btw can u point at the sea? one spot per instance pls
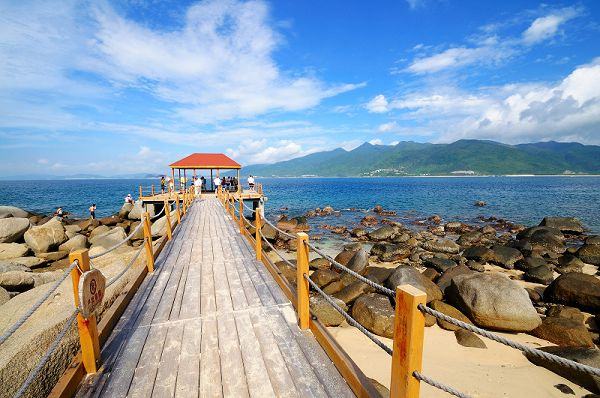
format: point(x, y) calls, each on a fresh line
point(524, 200)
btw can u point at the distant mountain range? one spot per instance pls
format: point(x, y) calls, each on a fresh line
point(77, 176)
point(463, 157)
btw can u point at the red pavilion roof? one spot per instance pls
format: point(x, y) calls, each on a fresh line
point(206, 161)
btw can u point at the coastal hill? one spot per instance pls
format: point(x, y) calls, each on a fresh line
point(471, 157)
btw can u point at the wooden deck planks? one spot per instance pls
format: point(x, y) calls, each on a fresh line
point(212, 322)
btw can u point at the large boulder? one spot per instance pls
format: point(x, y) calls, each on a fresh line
point(12, 211)
point(445, 279)
point(469, 238)
point(109, 239)
point(325, 312)
point(268, 232)
point(493, 301)
point(351, 292)
point(110, 220)
point(159, 227)
point(505, 256)
point(358, 263)
point(441, 246)
point(390, 251)
point(576, 290)
point(564, 224)
point(542, 274)
point(451, 311)
point(16, 281)
point(548, 239)
point(44, 238)
point(136, 211)
point(569, 263)
point(12, 229)
point(375, 312)
point(7, 265)
point(12, 250)
point(319, 263)
point(385, 232)
point(125, 209)
point(439, 264)
point(564, 332)
point(99, 230)
point(323, 277)
point(407, 275)
point(72, 230)
point(75, 243)
point(589, 254)
point(4, 295)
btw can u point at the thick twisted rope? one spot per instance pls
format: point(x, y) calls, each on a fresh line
point(34, 372)
point(37, 304)
point(279, 230)
point(521, 347)
point(156, 216)
point(288, 262)
point(440, 386)
point(376, 286)
point(348, 318)
point(247, 208)
point(121, 243)
point(116, 278)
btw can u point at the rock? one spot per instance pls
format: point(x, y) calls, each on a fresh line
point(563, 224)
point(480, 203)
point(407, 275)
point(12, 229)
point(353, 247)
point(401, 238)
point(288, 225)
point(323, 277)
point(468, 339)
point(375, 312)
point(593, 240)
point(431, 274)
point(390, 251)
point(566, 312)
point(369, 221)
point(12, 250)
point(564, 332)
point(72, 230)
point(542, 274)
point(583, 355)
point(358, 263)
point(136, 211)
point(44, 238)
point(504, 256)
point(530, 262)
point(75, 243)
point(325, 312)
point(546, 238)
point(4, 295)
point(445, 280)
point(534, 295)
point(441, 246)
point(110, 221)
point(439, 264)
point(469, 238)
point(53, 256)
point(385, 232)
point(268, 232)
point(493, 301)
point(569, 263)
point(16, 281)
point(30, 262)
point(12, 211)
point(478, 253)
point(475, 266)
point(565, 389)
point(378, 274)
point(449, 310)
point(159, 227)
point(99, 230)
point(108, 239)
point(589, 254)
point(140, 232)
point(358, 233)
point(7, 265)
point(383, 391)
point(333, 287)
point(352, 291)
point(125, 209)
point(576, 290)
point(41, 278)
point(319, 263)
point(288, 272)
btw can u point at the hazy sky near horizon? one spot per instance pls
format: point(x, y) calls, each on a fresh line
point(122, 87)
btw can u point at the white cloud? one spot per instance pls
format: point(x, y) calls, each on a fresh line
point(376, 141)
point(263, 151)
point(378, 104)
point(387, 127)
point(413, 4)
point(544, 28)
point(457, 57)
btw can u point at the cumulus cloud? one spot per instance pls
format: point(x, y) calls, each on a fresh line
point(376, 141)
point(264, 151)
point(378, 104)
point(544, 28)
point(388, 127)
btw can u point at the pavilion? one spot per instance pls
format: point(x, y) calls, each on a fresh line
point(204, 161)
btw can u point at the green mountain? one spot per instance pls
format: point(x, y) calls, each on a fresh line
point(478, 157)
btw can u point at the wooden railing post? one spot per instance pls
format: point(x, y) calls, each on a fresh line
point(241, 216)
point(88, 330)
point(257, 237)
point(148, 242)
point(232, 207)
point(168, 214)
point(302, 287)
point(226, 200)
point(409, 327)
point(177, 208)
point(152, 189)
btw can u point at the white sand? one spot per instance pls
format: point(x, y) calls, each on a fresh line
point(498, 371)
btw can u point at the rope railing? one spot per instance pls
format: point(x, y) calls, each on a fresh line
point(124, 270)
point(10, 331)
point(35, 371)
point(121, 243)
point(438, 385)
point(281, 256)
point(279, 230)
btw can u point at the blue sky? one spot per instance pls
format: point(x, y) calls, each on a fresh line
point(124, 87)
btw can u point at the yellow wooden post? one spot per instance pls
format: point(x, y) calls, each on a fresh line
point(302, 287)
point(177, 208)
point(409, 327)
point(88, 330)
point(226, 200)
point(152, 189)
point(148, 243)
point(241, 216)
point(168, 214)
point(257, 237)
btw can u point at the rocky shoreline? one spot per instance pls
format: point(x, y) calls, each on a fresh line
point(540, 280)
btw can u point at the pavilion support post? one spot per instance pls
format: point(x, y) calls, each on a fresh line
point(409, 327)
point(257, 237)
point(148, 243)
point(239, 187)
point(184, 180)
point(212, 181)
point(88, 329)
point(168, 214)
point(172, 179)
point(302, 287)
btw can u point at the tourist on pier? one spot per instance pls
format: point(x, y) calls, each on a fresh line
point(197, 186)
point(162, 184)
point(251, 182)
point(171, 184)
point(129, 199)
point(217, 183)
point(182, 182)
point(93, 211)
point(203, 185)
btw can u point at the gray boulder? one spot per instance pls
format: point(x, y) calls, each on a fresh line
point(323, 277)
point(547, 239)
point(16, 281)
point(390, 251)
point(351, 292)
point(358, 263)
point(542, 274)
point(12, 211)
point(383, 233)
point(478, 253)
point(445, 279)
point(99, 230)
point(469, 238)
point(72, 230)
point(589, 254)
point(7, 265)
point(325, 312)
point(136, 211)
point(576, 290)
point(451, 311)
point(159, 227)
point(109, 239)
point(505, 256)
point(29, 261)
point(375, 312)
point(12, 250)
point(44, 238)
point(564, 224)
point(125, 209)
point(439, 264)
point(4, 295)
point(75, 243)
point(319, 263)
point(12, 229)
point(407, 275)
point(441, 246)
point(494, 301)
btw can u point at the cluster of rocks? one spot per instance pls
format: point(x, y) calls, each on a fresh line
point(500, 276)
point(34, 249)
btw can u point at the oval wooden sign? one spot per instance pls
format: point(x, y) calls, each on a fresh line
point(92, 285)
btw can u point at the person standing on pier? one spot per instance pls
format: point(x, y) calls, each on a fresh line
point(162, 184)
point(251, 182)
point(217, 183)
point(197, 186)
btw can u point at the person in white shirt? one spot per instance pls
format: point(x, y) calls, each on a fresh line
point(251, 182)
point(197, 187)
point(217, 182)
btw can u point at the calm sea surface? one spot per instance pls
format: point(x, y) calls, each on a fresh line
point(520, 199)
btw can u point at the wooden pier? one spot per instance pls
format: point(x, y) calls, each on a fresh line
point(211, 321)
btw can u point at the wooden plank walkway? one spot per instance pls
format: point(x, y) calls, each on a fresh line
point(212, 322)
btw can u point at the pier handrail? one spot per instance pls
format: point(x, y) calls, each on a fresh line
point(401, 384)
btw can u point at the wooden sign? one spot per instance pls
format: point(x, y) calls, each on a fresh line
point(92, 285)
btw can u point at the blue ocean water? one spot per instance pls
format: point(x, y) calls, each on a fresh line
point(523, 200)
